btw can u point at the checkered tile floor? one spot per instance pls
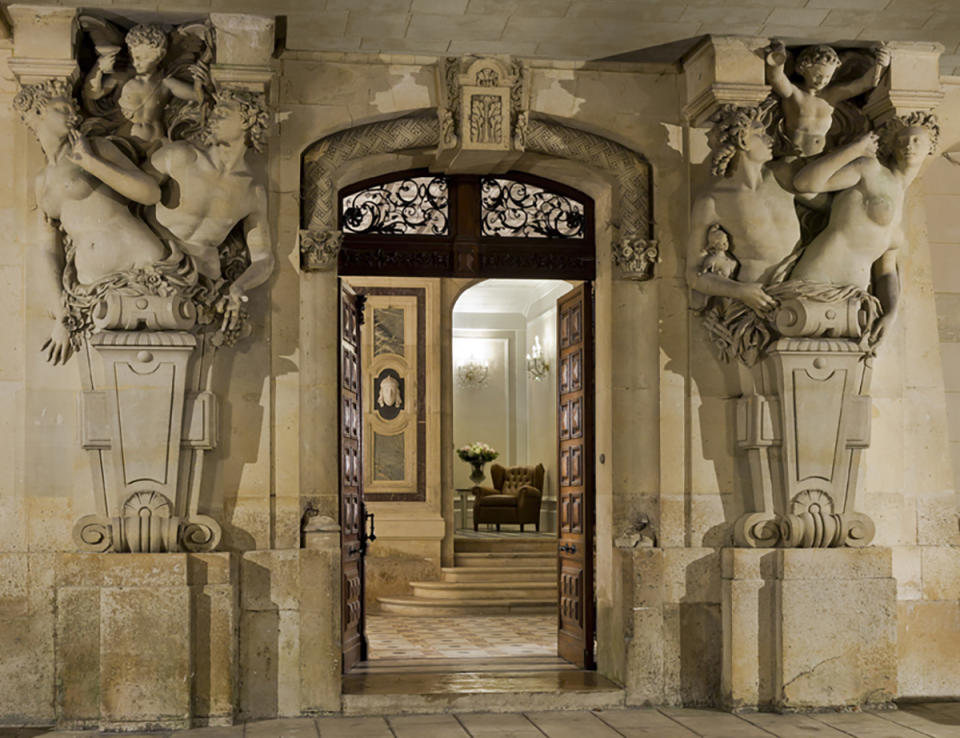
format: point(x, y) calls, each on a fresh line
point(413, 637)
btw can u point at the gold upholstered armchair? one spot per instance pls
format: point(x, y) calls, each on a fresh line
point(515, 497)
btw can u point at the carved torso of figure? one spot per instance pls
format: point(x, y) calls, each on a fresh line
point(106, 237)
point(762, 224)
point(864, 224)
point(142, 101)
point(808, 119)
point(204, 201)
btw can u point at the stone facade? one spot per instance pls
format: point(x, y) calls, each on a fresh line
point(251, 630)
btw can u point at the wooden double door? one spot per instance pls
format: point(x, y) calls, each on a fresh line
point(576, 620)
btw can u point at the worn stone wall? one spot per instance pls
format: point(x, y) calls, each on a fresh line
point(664, 407)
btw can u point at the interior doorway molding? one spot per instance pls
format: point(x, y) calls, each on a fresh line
point(631, 214)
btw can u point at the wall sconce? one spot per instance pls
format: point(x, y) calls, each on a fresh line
point(537, 366)
point(473, 373)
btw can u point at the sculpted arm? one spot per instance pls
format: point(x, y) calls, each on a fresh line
point(56, 348)
point(885, 280)
point(256, 231)
point(839, 92)
point(105, 162)
point(777, 78)
point(183, 90)
point(704, 215)
point(838, 170)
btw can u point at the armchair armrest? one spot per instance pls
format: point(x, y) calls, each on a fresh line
point(528, 495)
point(479, 492)
point(528, 504)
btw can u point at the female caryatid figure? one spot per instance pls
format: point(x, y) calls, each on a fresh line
point(85, 189)
point(858, 248)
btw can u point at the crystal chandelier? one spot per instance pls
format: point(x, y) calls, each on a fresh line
point(537, 366)
point(473, 373)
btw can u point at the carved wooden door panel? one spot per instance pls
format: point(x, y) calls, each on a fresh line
point(575, 610)
point(352, 513)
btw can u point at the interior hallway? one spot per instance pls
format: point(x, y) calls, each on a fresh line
point(928, 720)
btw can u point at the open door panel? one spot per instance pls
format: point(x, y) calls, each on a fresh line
point(575, 611)
point(352, 512)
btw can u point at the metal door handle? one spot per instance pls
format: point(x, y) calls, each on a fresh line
point(366, 538)
point(571, 548)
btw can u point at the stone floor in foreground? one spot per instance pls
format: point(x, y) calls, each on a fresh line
point(927, 720)
point(491, 636)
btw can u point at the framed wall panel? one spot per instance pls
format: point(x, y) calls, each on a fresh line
point(394, 414)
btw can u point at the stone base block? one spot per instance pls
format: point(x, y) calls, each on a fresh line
point(146, 641)
point(807, 629)
point(290, 630)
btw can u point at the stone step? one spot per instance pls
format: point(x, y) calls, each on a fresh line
point(466, 607)
point(516, 684)
point(505, 559)
point(465, 544)
point(514, 590)
point(500, 574)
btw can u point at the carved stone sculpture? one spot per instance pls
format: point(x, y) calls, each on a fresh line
point(137, 270)
point(482, 113)
point(808, 105)
point(319, 249)
point(803, 308)
point(636, 257)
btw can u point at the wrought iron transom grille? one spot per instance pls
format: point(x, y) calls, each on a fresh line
point(410, 206)
point(514, 209)
point(507, 225)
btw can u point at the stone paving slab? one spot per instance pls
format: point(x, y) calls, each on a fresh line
point(354, 727)
point(643, 722)
point(927, 720)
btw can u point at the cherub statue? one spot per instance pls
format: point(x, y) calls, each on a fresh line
point(145, 96)
point(808, 107)
point(217, 188)
point(717, 258)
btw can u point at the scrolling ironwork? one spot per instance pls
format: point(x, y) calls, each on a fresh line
point(522, 210)
point(410, 206)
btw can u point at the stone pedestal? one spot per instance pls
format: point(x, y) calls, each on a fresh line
point(808, 629)
point(803, 426)
point(146, 641)
point(147, 418)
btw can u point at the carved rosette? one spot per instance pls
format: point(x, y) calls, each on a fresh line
point(319, 250)
point(635, 257)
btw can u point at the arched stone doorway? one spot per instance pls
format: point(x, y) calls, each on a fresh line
point(617, 178)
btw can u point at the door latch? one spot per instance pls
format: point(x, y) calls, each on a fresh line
point(568, 548)
point(365, 537)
